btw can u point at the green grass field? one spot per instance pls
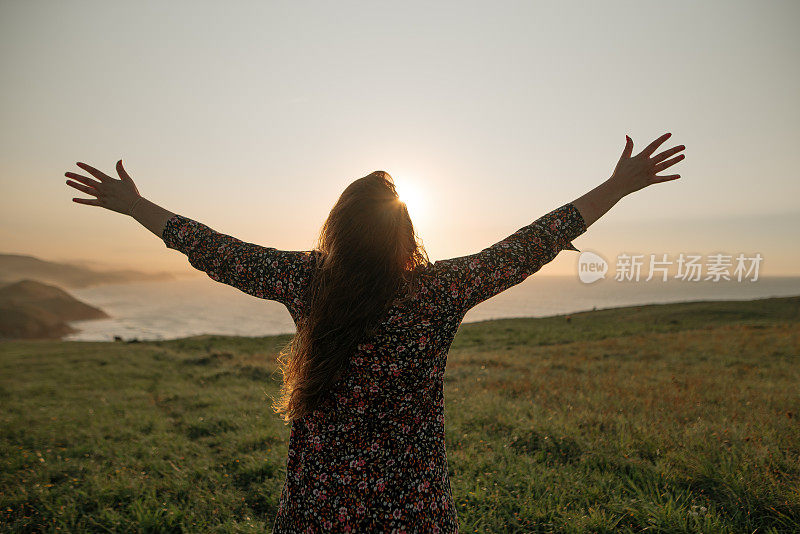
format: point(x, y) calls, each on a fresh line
point(661, 418)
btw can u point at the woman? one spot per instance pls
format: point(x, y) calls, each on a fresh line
point(363, 376)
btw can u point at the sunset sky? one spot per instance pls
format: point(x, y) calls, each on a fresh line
point(252, 117)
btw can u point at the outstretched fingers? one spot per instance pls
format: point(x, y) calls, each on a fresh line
point(659, 179)
point(89, 201)
point(85, 189)
point(94, 172)
point(626, 152)
point(123, 174)
point(667, 153)
point(669, 163)
point(83, 179)
point(649, 149)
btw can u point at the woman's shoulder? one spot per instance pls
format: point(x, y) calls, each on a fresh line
point(418, 283)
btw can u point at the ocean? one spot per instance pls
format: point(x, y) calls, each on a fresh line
point(198, 305)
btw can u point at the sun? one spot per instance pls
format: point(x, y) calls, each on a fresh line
point(410, 194)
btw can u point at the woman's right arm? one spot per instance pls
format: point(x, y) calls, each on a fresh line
point(121, 196)
point(264, 272)
point(152, 216)
point(469, 280)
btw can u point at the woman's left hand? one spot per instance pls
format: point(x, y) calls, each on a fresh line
point(115, 195)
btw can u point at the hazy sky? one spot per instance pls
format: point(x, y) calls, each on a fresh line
point(252, 117)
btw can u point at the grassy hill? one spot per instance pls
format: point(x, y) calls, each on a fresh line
point(663, 418)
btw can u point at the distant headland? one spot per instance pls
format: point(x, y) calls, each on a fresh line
point(16, 267)
point(33, 305)
point(31, 309)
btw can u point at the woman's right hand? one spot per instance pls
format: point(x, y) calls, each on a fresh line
point(639, 171)
point(112, 194)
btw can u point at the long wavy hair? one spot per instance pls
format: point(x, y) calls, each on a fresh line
point(367, 254)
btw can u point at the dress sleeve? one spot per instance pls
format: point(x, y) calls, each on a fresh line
point(469, 280)
point(263, 272)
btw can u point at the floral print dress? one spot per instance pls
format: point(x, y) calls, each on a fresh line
point(372, 457)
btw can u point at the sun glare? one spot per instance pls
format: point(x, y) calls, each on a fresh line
point(411, 195)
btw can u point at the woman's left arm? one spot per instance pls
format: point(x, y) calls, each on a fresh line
point(263, 272)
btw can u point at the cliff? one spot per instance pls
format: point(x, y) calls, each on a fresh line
point(32, 309)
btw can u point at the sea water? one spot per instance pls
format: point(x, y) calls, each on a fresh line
point(198, 305)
